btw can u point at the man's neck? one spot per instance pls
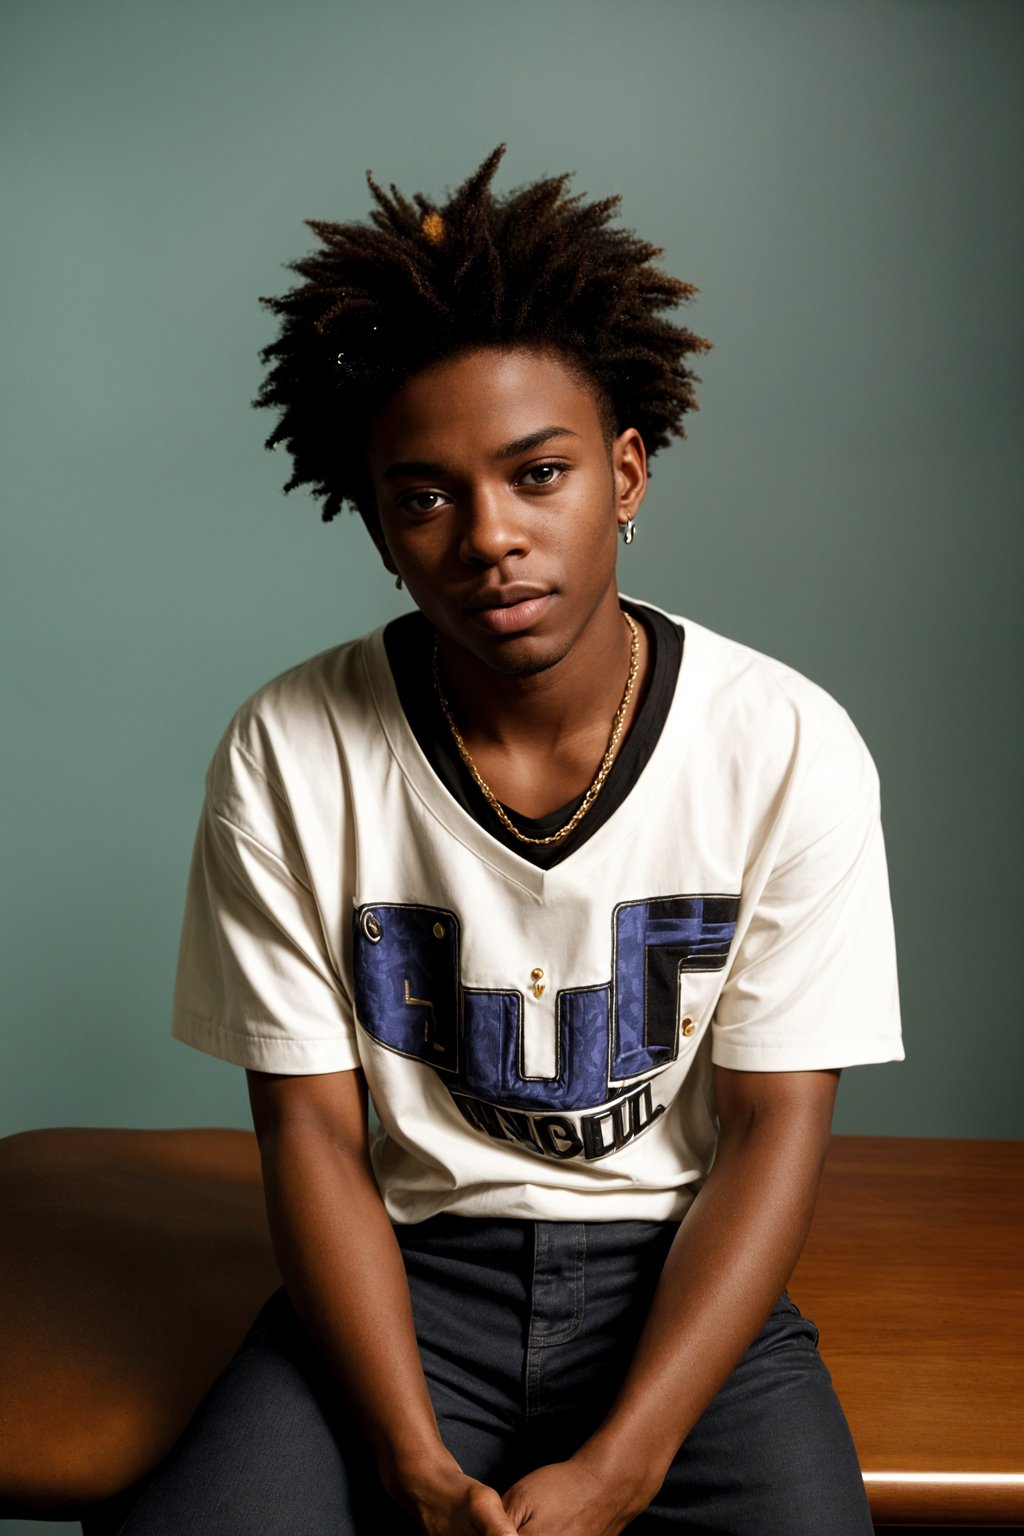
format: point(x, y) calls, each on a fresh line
point(538, 740)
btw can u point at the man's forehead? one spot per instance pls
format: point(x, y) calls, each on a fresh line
point(499, 403)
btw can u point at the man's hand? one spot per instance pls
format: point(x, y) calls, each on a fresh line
point(457, 1505)
point(570, 1498)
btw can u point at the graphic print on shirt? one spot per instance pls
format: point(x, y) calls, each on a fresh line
point(612, 1039)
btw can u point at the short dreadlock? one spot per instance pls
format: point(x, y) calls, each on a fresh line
point(538, 268)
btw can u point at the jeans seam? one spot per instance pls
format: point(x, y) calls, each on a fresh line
point(573, 1324)
point(537, 1343)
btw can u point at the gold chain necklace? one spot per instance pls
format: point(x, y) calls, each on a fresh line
point(602, 772)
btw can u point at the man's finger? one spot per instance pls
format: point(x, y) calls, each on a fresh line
point(488, 1514)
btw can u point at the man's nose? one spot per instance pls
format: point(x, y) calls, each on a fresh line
point(493, 526)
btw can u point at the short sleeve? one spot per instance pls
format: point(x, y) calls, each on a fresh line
point(813, 983)
point(256, 984)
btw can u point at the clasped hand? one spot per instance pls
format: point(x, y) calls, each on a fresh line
point(562, 1499)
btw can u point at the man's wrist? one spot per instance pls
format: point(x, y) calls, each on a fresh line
point(416, 1476)
point(625, 1465)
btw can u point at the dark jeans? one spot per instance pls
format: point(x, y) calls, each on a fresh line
point(525, 1331)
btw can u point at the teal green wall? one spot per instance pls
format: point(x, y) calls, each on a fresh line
point(842, 182)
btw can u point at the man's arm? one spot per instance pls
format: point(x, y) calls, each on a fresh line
point(343, 1269)
point(733, 1254)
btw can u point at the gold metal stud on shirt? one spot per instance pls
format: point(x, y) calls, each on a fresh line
point(439, 930)
point(688, 1026)
point(371, 926)
point(538, 984)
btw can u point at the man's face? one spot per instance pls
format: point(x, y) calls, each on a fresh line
point(499, 498)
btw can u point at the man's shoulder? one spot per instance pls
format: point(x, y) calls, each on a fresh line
point(334, 678)
point(300, 714)
point(733, 671)
point(760, 713)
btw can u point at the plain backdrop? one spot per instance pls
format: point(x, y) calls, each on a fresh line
point(841, 180)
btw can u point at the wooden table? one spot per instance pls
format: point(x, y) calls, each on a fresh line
point(133, 1262)
point(914, 1273)
point(131, 1265)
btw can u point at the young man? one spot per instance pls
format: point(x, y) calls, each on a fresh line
point(591, 903)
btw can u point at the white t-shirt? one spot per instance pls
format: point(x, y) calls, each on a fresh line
point(539, 1043)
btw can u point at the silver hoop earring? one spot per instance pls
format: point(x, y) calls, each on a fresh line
point(628, 531)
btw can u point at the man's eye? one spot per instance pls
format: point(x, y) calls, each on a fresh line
point(422, 501)
point(542, 474)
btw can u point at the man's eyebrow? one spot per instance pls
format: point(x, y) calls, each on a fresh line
point(424, 468)
point(532, 440)
point(420, 467)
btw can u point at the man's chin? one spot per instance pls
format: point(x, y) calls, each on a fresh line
point(516, 661)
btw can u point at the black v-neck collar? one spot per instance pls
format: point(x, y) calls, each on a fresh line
point(408, 642)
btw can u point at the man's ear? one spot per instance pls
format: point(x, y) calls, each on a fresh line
point(372, 524)
point(629, 469)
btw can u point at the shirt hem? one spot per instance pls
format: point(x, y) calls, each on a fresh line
point(410, 1207)
point(767, 1058)
point(288, 1057)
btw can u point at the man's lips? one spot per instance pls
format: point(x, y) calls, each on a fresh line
point(511, 608)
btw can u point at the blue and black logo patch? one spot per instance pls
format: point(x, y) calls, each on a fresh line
point(611, 1039)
